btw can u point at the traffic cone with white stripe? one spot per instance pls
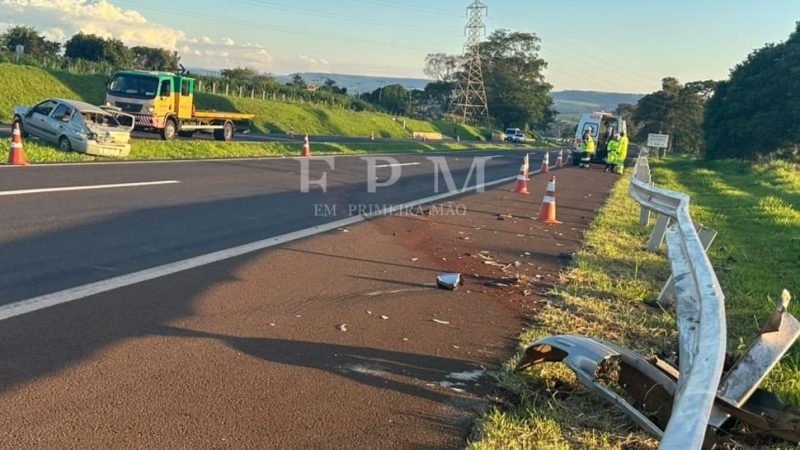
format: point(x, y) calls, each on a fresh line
point(522, 179)
point(546, 163)
point(306, 148)
point(560, 159)
point(547, 212)
point(17, 155)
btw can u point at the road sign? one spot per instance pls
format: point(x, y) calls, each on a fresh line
point(658, 140)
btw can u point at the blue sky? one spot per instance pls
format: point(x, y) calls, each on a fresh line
point(622, 45)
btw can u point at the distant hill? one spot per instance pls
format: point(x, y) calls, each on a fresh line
point(357, 84)
point(569, 104)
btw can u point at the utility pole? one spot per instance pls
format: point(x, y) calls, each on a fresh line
point(470, 103)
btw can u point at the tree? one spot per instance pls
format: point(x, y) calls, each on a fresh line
point(516, 91)
point(435, 100)
point(393, 98)
point(298, 82)
point(330, 86)
point(116, 53)
point(441, 67)
point(676, 110)
point(35, 44)
point(85, 46)
point(150, 58)
point(753, 115)
point(239, 74)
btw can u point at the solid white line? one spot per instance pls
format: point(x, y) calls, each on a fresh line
point(69, 295)
point(85, 188)
point(381, 166)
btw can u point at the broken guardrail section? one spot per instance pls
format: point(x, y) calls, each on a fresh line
point(685, 408)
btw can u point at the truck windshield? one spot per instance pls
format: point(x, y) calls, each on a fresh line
point(135, 86)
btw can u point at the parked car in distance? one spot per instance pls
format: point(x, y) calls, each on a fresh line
point(74, 125)
point(515, 135)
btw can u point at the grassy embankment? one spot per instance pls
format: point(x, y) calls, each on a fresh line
point(23, 85)
point(756, 210)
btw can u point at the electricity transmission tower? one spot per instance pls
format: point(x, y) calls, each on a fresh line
point(470, 102)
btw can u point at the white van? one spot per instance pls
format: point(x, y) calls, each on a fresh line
point(603, 125)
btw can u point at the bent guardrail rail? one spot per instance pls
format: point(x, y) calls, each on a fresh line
point(700, 308)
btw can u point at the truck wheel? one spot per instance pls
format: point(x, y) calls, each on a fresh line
point(170, 130)
point(225, 134)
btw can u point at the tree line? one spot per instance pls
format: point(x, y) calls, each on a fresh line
point(752, 115)
point(517, 93)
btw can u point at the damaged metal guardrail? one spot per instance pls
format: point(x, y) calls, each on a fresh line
point(684, 406)
point(700, 308)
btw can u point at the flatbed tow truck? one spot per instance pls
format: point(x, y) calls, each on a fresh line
point(163, 102)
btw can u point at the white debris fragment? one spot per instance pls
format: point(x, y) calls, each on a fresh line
point(442, 322)
point(385, 317)
point(341, 327)
point(471, 375)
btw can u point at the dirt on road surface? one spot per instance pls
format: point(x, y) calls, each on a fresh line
point(337, 341)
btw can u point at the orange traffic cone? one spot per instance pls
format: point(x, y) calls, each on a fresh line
point(522, 179)
point(546, 163)
point(306, 147)
point(547, 213)
point(17, 155)
point(560, 159)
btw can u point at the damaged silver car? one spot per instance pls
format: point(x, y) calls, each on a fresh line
point(77, 126)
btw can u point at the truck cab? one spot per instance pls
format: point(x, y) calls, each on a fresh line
point(165, 102)
point(603, 126)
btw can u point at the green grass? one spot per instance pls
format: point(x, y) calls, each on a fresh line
point(26, 85)
point(756, 210)
point(40, 152)
point(604, 295)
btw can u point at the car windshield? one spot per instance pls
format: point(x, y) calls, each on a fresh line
point(135, 86)
point(99, 119)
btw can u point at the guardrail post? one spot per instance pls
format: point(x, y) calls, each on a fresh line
point(659, 232)
point(667, 295)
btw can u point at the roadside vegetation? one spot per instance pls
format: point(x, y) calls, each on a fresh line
point(606, 291)
point(26, 85)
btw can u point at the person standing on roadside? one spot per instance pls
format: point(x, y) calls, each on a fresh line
point(622, 153)
point(587, 148)
point(612, 157)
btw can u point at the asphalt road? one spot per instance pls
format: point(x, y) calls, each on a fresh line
point(52, 241)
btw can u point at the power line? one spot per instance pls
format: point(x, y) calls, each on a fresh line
point(339, 17)
point(262, 26)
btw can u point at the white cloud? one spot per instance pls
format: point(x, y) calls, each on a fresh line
point(60, 19)
point(312, 63)
point(91, 16)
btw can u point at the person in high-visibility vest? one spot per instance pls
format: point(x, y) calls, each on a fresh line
point(622, 153)
point(612, 158)
point(587, 148)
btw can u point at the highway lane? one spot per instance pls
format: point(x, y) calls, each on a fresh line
point(58, 240)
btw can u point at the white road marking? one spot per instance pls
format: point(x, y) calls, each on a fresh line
point(76, 293)
point(85, 188)
point(381, 166)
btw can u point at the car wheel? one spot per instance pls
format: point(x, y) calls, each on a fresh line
point(170, 130)
point(18, 120)
point(64, 144)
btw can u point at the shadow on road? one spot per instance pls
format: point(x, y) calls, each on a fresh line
point(378, 368)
